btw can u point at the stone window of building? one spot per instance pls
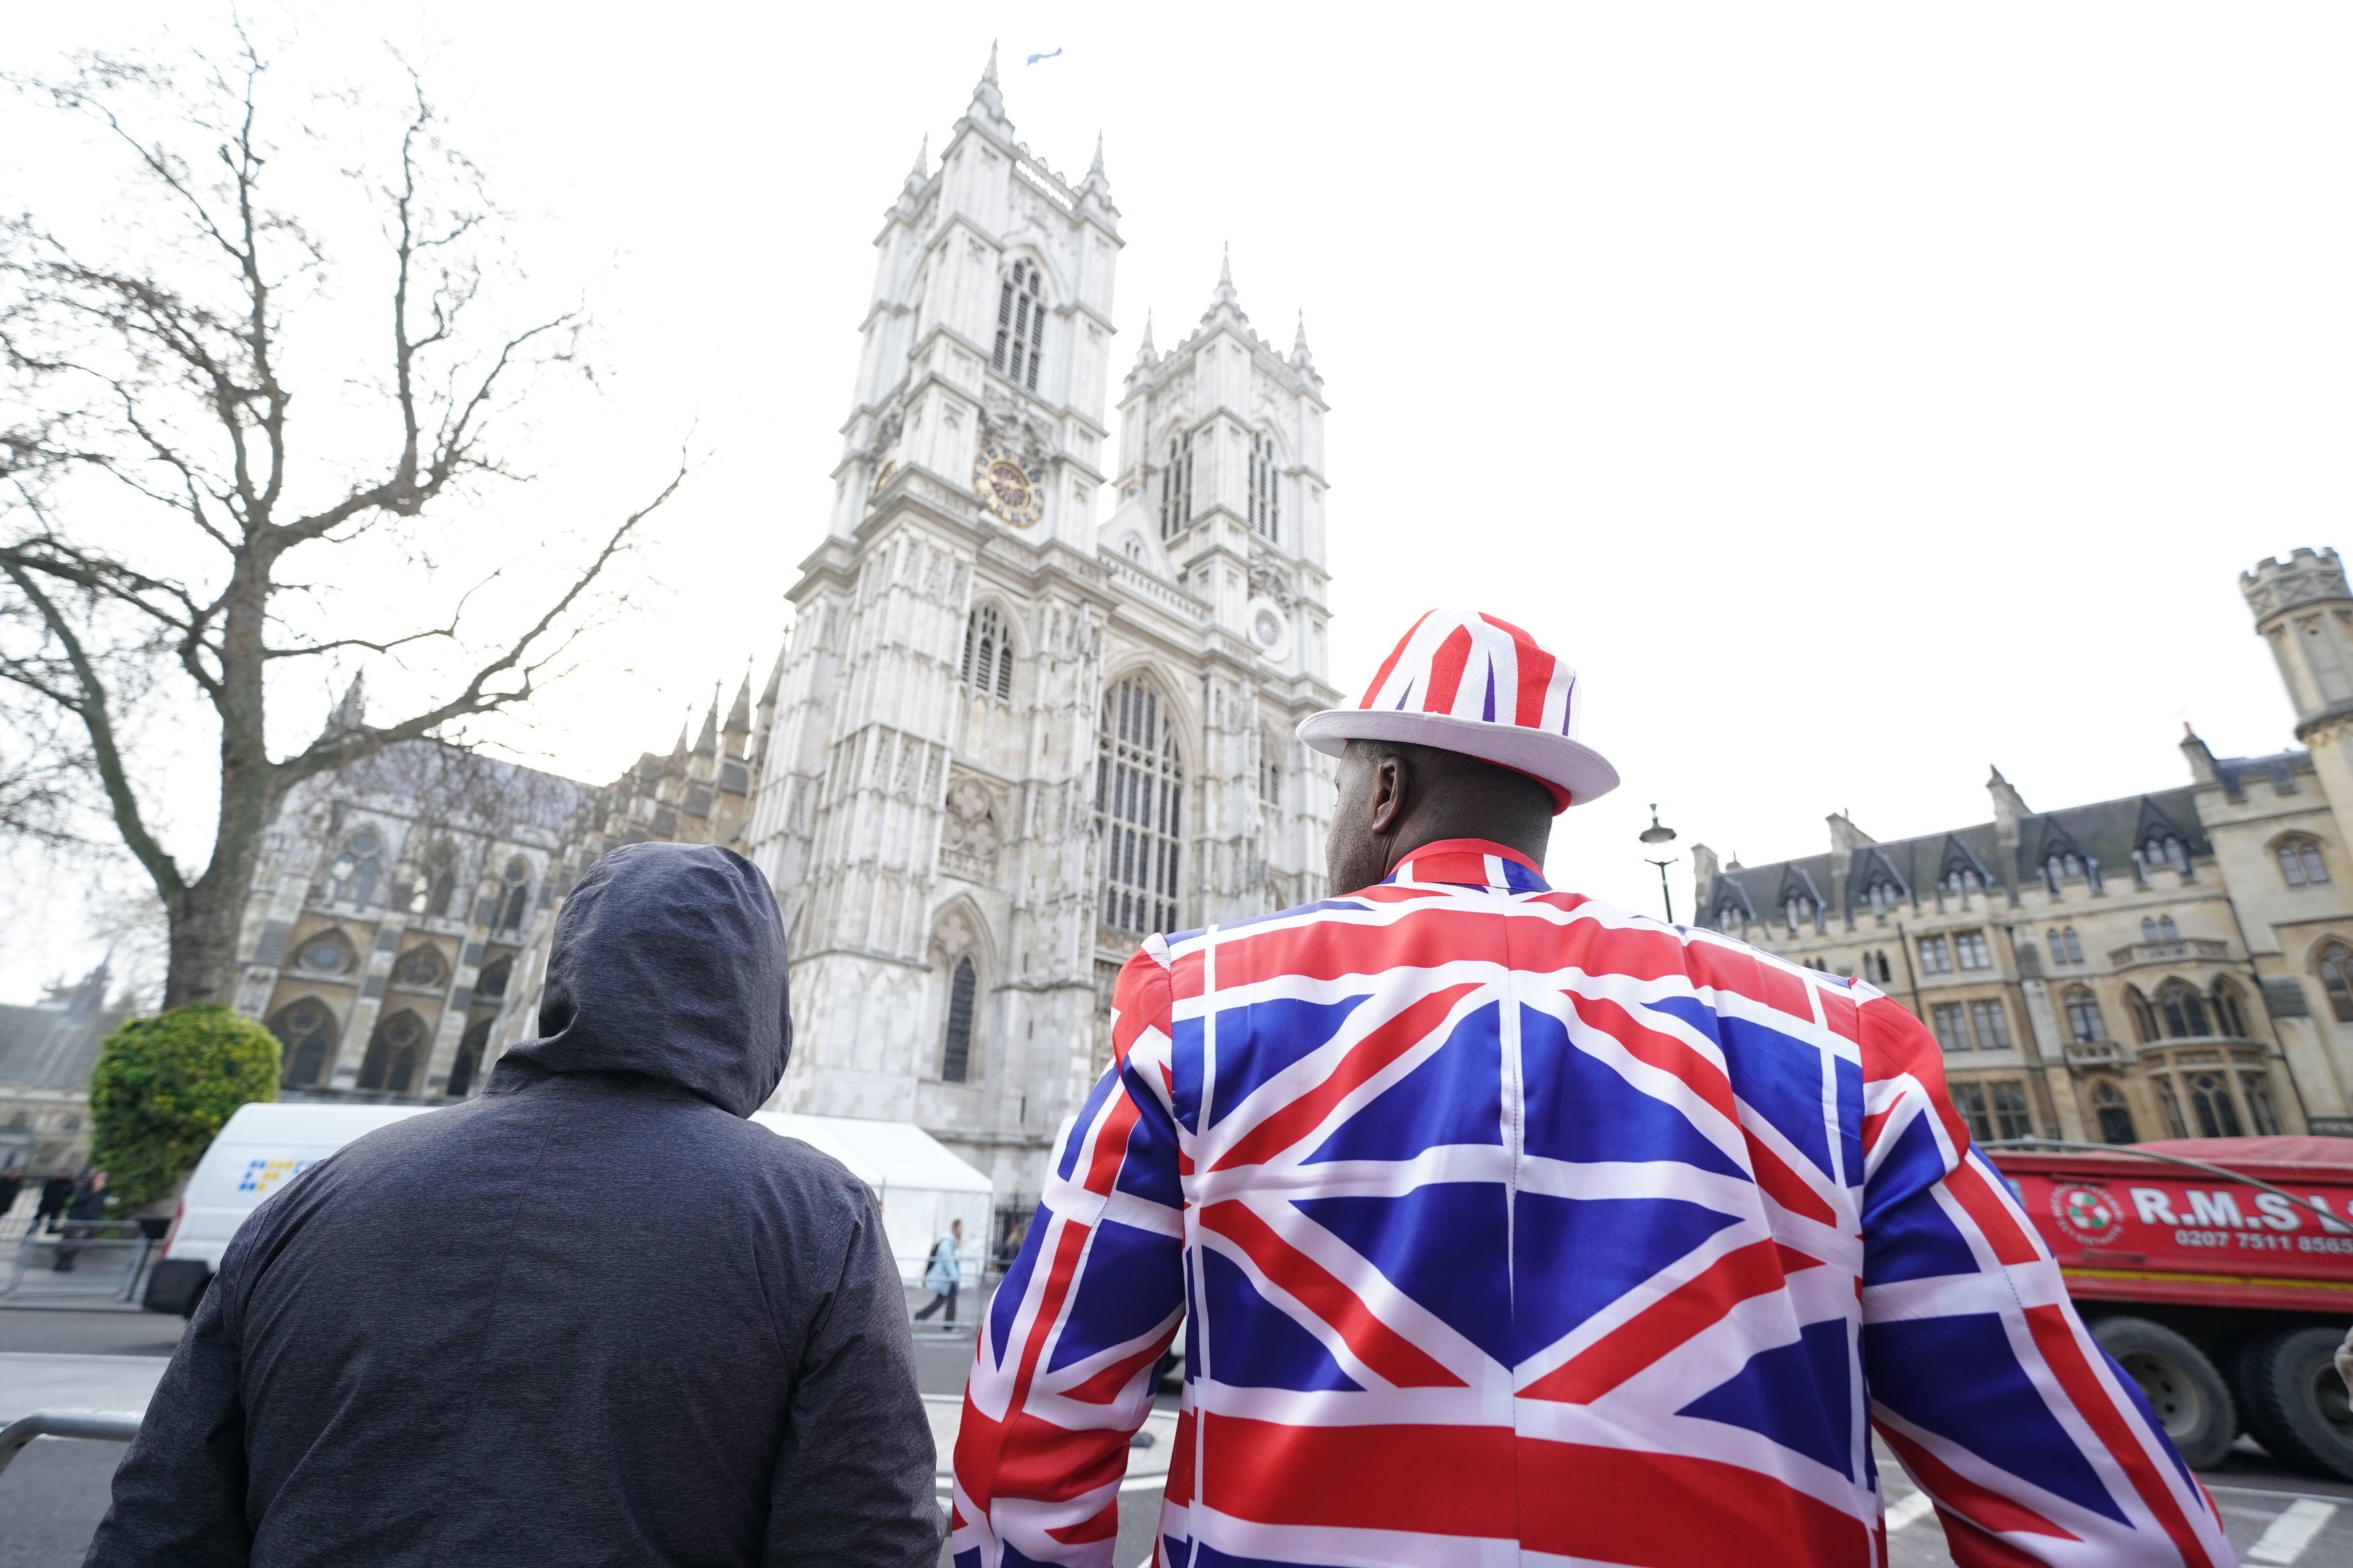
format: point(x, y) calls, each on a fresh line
point(1935, 957)
point(2210, 1097)
point(2011, 1117)
point(1950, 1021)
point(2169, 1103)
point(2229, 1016)
point(1969, 1100)
point(2066, 947)
point(1265, 504)
point(1970, 947)
point(2084, 1024)
point(2114, 1117)
point(514, 901)
point(2143, 1017)
point(468, 1060)
point(307, 1030)
point(393, 1053)
point(1876, 966)
point(1020, 325)
point(422, 967)
point(356, 870)
point(2300, 862)
point(1270, 771)
point(2184, 1012)
point(2165, 847)
point(2336, 968)
point(329, 953)
point(956, 1052)
point(2062, 864)
point(490, 985)
point(987, 654)
point(2160, 929)
point(2258, 1090)
point(1139, 810)
point(1990, 1025)
point(1177, 486)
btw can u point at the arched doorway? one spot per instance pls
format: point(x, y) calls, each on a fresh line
point(307, 1030)
point(393, 1052)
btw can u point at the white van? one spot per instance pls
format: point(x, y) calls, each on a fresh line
point(260, 1149)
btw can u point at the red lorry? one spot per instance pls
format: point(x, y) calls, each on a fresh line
point(2218, 1272)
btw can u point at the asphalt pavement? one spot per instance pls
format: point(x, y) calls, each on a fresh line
point(50, 1499)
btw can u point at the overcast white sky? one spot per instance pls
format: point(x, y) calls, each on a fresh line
point(1859, 394)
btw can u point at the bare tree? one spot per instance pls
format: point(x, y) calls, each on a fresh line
point(157, 489)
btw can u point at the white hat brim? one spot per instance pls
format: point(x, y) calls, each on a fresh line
point(1575, 767)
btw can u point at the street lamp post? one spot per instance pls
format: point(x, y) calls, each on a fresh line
point(1659, 833)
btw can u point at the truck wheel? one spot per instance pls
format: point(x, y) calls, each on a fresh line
point(2191, 1402)
point(2296, 1405)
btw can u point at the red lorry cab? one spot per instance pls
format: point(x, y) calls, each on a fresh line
point(2219, 1273)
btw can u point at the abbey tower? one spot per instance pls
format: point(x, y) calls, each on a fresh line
point(1009, 736)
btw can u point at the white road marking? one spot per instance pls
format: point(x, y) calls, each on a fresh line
point(2285, 1538)
point(1909, 1508)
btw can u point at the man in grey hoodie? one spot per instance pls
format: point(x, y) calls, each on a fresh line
point(594, 1316)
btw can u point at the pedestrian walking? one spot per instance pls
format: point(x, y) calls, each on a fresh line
point(12, 1183)
point(945, 1274)
point(1508, 1226)
point(82, 1215)
point(55, 1194)
point(591, 1315)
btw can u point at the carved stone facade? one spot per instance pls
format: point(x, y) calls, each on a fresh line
point(960, 806)
point(2178, 963)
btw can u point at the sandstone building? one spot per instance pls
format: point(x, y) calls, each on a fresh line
point(2174, 964)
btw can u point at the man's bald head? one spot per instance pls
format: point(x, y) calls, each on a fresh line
point(1395, 797)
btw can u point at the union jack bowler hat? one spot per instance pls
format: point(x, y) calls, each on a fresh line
point(1465, 682)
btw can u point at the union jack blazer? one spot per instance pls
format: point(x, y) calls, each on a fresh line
point(1506, 1226)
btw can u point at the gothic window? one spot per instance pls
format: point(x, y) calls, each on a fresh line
point(1139, 810)
point(307, 1030)
point(1270, 773)
point(1177, 486)
point(1799, 909)
point(1020, 324)
point(490, 985)
point(514, 901)
point(2114, 1117)
point(2084, 1024)
point(1970, 946)
point(421, 966)
point(2258, 1090)
point(1265, 505)
point(2336, 978)
point(2075, 945)
point(438, 895)
point(394, 1053)
point(1935, 958)
point(987, 654)
point(2209, 1098)
point(329, 953)
point(2164, 846)
point(2184, 1011)
point(1950, 1022)
point(2062, 864)
point(1878, 962)
point(2228, 1015)
point(956, 1054)
point(1969, 1100)
point(2144, 1017)
point(1991, 1025)
point(2011, 1117)
point(2066, 947)
point(356, 870)
point(2169, 1102)
point(2161, 929)
point(2300, 862)
point(468, 1061)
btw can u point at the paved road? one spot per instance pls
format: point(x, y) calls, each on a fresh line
point(51, 1499)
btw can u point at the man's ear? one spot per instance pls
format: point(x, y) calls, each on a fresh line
point(1392, 792)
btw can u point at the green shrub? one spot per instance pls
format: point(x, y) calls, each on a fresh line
point(162, 1089)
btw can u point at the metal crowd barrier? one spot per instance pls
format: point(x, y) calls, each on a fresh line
point(132, 1240)
point(98, 1425)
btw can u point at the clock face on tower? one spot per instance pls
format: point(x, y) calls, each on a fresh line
point(1007, 486)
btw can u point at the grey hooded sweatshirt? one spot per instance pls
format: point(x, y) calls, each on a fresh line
point(594, 1316)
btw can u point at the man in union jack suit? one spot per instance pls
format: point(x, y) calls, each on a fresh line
point(1505, 1226)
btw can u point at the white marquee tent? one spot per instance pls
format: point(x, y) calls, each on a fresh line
point(922, 1186)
